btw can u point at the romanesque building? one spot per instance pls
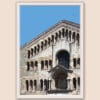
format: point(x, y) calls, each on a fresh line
point(50, 63)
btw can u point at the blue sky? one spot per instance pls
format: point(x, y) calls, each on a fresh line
point(36, 19)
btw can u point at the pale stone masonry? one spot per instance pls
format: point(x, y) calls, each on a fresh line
point(50, 63)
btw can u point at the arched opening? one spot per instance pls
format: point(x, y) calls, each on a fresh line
point(73, 36)
point(29, 53)
point(70, 35)
point(41, 84)
point(49, 41)
point(38, 48)
point(35, 84)
point(56, 36)
point(27, 85)
point(42, 45)
point(63, 32)
point(32, 51)
point(48, 84)
point(59, 35)
point(45, 84)
point(50, 63)
point(52, 38)
point(35, 50)
point(66, 34)
point(60, 80)
point(74, 62)
point(28, 66)
point(78, 38)
point(79, 81)
point(46, 64)
point(74, 83)
point(36, 65)
point(63, 58)
point(78, 61)
point(32, 64)
point(45, 43)
point(42, 65)
point(31, 84)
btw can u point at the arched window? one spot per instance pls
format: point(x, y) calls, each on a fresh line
point(73, 36)
point(42, 45)
point(74, 62)
point(66, 34)
point(78, 38)
point(63, 32)
point(45, 43)
point(41, 84)
point(50, 63)
point(48, 84)
point(78, 81)
point(56, 36)
point(35, 50)
point(45, 84)
point(28, 66)
point(52, 38)
point(63, 58)
point(32, 51)
point(36, 63)
point(46, 64)
point(78, 61)
point(35, 84)
point(59, 34)
point(28, 53)
point(27, 85)
point(48, 40)
point(32, 64)
point(70, 35)
point(38, 48)
point(74, 83)
point(42, 65)
point(31, 84)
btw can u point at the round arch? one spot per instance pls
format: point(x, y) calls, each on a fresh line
point(63, 58)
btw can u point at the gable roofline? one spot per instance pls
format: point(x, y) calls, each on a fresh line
point(43, 33)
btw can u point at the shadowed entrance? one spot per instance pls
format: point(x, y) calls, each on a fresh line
point(60, 80)
point(63, 58)
point(60, 71)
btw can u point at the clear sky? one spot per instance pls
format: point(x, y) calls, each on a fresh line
point(36, 19)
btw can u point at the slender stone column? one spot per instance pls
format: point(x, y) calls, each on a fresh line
point(71, 84)
point(43, 86)
point(29, 87)
point(53, 85)
point(68, 84)
point(33, 88)
point(77, 87)
point(49, 84)
point(39, 65)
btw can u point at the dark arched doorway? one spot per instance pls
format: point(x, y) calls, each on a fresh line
point(63, 58)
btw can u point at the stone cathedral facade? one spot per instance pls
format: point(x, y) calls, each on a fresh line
point(50, 63)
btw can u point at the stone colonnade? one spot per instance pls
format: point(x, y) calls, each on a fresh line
point(47, 85)
point(43, 64)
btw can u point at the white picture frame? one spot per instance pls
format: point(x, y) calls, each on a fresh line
point(81, 47)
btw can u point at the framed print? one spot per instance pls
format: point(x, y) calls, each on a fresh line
point(50, 50)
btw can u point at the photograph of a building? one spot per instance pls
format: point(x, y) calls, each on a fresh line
point(50, 64)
